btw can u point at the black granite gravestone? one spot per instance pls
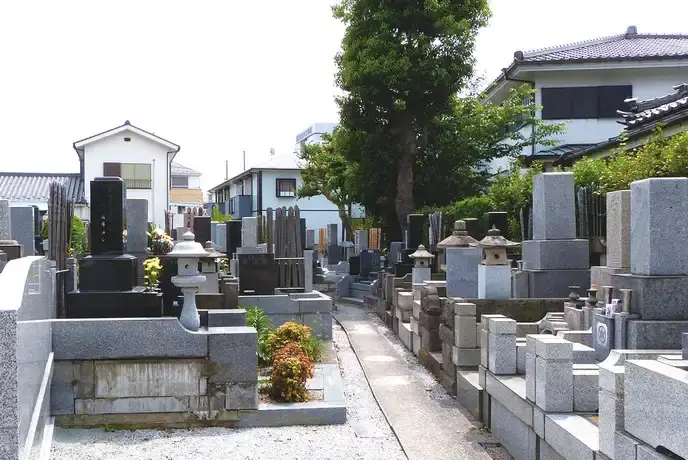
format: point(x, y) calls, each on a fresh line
point(257, 274)
point(401, 269)
point(335, 254)
point(474, 228)
point(499, 220)
point(370, 262)
point(416, 227)
point(233, 230)
point(108, 197)
point(202, 229)
point(354, 265)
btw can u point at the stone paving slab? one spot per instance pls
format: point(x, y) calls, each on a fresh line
point(418, 420)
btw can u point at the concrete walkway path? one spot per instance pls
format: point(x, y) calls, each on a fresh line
point(428, 422)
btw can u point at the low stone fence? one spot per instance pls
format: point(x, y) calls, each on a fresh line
point(27, 304)
point(312, 309)
point(147, 372)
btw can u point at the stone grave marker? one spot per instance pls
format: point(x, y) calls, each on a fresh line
point(360, 241)
point(369, 262)
point(257, 274)
point(249, 232)
point(108, 198)
point(137, 226)
point(202, 229)
point(22, 227)
point(5, 224)
point(414, 234)
point(233, 236)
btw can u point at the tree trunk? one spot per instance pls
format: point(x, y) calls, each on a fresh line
point(346, 222)
point(403, 201)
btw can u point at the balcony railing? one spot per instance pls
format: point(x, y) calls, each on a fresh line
point(138, 183)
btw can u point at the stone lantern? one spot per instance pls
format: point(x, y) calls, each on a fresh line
point(494, 271)
point(209, 269)
point(421, 264)
point(461, 262)
point(188, 254)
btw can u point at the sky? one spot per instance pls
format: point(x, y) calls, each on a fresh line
point(225, 76)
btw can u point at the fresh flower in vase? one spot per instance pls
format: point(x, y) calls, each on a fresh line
point(160, 243)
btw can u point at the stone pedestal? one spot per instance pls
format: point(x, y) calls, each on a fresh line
point(108, 273)
point(462, 272)
point(420, 274)
point(494, 281)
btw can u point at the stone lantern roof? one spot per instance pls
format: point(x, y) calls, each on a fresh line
point(421, 253)
point(459, 238)
point(494, 239)
point(212, 253)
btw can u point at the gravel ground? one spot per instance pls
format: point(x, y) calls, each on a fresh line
point(366, 434)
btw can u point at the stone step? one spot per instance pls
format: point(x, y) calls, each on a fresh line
point(361, 286)
point(353, 300)
point(406, 334)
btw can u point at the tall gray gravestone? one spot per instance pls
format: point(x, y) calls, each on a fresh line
point(137, 225)
point(360, 241)
point(618, 239)
point(11, 248)
point(23, 227)
point(554, 259)
point(659, 264)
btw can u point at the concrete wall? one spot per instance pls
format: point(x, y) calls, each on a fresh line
point(114, 149)
point(26, 358)
point(311, 309)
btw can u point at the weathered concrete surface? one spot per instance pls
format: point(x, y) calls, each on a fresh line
point(421, 423)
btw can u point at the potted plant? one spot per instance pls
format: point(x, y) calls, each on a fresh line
point(44, 235)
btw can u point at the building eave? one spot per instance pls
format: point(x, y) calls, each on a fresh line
point(80, 144)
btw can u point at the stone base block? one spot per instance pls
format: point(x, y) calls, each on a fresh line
point(416, 343)
point(521, 358)
point(405, 334)
point(602, 275)
point(556, 254)
point(469, 392)
point(656, 297)
point(494, 282)
point(585, 390)
point(430, 340)
point(655, 335)
point(502, 354)
point(448, 381)
point(108, 273)
point(241, 395)
point(555, 283)
point(432, 361)
point(462, 272)
point(553, 385)
point(466, 357)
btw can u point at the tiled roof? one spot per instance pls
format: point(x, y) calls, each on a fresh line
point(177, 169)
point(644, 112)
point(562, 149)
point(628, 46)
point(36, 186)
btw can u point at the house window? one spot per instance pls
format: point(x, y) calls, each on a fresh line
point(180, 181)
point(577, 103)
point(181, 209)
point(286, 187)
point(136, 175)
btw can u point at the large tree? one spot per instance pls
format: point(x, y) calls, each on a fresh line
point(401, 65)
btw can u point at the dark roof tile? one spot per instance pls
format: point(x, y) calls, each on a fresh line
point(36, 186)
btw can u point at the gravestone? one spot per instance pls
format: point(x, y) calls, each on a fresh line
point(395, 249)
point(137, 237)
point(332, 235)
point(220, 237)
point(137, 226)
point(37, 222)
point(369, 262)
point(213, 230)
point(249, 232)
point(202, 229)
point(416, 228)
point(5, 223)
point(310, 239)
point(108, 277)
point(360, 241)
point(618, 239)
point(257, 274)
point(474, 228)
point(233, 236)
point(355, 265)
point(498, 220)
point(23, 227)
point(302, 223)
point(554, 259)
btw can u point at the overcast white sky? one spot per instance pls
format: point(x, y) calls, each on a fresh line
point(217, 77)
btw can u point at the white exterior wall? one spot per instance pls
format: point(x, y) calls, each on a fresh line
point(114, 149)
point(194, 182)
point(647, 83)
point(318, 210)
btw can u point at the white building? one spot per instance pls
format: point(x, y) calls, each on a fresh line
point(185, 191)
point(584, 84)
point(273, 184)
point(313, 134)
point(142, 159)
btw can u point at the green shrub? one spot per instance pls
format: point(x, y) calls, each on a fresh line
point(315, 348)
point(287, 333)
point(217, 216)
point(78, 244)
point(256, 317)
point(291, 368)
